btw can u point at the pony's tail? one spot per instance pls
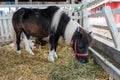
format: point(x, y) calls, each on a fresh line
point(13, 34)
point(22, 10)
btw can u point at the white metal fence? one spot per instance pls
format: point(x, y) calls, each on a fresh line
point(107, 16)
point(5, 28)
point(106, 35)
point(102, 20)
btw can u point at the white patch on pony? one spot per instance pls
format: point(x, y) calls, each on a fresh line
point(27, 45)
point(70, 29)
point(46, 39)
point(19, 52)
point(52, 55)
point(56, 19)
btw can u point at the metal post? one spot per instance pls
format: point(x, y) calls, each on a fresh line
point(86, 20)
point(16, 2)
point(30, 1)
point(73, 1)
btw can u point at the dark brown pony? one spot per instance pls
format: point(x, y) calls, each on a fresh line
point(52, 22)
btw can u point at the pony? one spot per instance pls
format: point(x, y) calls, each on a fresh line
point(54, 23)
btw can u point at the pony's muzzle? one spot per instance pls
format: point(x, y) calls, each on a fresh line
point(82, 59)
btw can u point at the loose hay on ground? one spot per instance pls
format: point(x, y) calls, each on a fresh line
point(27, 67)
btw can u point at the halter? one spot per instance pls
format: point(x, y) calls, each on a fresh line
point(79, 54)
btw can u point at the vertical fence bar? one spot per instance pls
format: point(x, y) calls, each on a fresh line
point(9, 30)
point(112, 26)
point(75, 16)
point(5, 28)
point(10, 26)
point(70, 13)
point(86, 20)
point(2, 29)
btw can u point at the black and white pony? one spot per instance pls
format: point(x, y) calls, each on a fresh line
point(52, 22)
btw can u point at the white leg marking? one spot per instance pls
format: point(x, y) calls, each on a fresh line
point(31, 44)
point(19, 52)
point(52, 55)
point(27, 46)
point(55, 55)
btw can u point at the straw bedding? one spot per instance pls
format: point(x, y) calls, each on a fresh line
point(37, 67)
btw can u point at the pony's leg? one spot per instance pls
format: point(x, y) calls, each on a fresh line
point(53, 45)
point(18, 42)
point(27, 44)
point(56, 43)
point(42, 42)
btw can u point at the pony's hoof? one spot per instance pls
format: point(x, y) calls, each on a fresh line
point(51, 59)
point(32, 53)
point(19, 52)
point(55, 55)
point(33, 47)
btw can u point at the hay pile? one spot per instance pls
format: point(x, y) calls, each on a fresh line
point(37, 67)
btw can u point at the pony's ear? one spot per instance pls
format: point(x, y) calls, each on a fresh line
point(79, 32)
point(90, 33)
point(78, 29)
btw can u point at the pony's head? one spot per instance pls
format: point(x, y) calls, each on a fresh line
point(81, 42)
